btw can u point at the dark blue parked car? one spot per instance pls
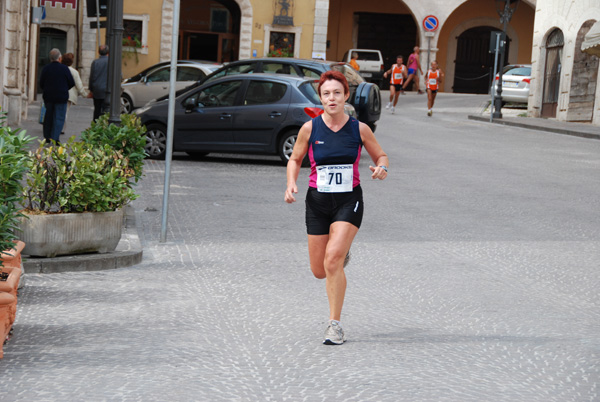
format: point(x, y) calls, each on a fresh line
point(248, 113)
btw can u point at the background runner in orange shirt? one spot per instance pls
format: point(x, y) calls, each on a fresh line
point(433, 82)
point(397, 75)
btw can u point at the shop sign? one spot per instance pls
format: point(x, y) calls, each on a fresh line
point(283, 12)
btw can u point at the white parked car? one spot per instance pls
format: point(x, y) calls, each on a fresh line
point(516, 79)
point(153, 82)
point(370, 62)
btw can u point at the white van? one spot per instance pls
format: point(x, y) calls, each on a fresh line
point(370, 62)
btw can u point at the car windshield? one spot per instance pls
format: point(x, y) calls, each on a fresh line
point(309, 89)
point(521, 71)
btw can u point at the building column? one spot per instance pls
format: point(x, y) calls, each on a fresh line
point(320, 27)
point(15, 59)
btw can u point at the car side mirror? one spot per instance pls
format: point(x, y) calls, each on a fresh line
point(190, 103)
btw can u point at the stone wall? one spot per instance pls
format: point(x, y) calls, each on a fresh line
point(569, 16)
point(15, 48)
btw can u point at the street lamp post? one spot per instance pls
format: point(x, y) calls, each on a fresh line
point(505, 9)
point(115, 44)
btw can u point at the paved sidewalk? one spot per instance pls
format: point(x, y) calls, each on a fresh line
point(511, 117)
point(473, 278)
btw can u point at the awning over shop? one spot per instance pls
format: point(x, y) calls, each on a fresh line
point(591, 42)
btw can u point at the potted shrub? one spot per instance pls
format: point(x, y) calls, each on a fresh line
point(13, 160)
point(75, 192)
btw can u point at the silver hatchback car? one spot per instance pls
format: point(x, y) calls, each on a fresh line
point(516, 79)
point(153, 82)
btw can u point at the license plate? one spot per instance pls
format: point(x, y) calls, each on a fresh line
point(366, 74)
point(510, 84)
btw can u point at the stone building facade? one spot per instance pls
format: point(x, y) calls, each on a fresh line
point(328, 28)
point(17, 44)
point(564, 80)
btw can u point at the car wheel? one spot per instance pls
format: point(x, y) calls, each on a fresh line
point(126, 104)
point(286, 147)
point(156, 141)
point(372, 125)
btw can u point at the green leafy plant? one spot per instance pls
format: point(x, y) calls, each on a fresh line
point(128, 138)
point(130, 48)
point(96, 174)
point(77, 177)
point(285, 51)
point(13, 165)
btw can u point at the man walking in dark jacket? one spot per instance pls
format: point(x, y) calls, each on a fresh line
point(99, 80)
point(55, 81)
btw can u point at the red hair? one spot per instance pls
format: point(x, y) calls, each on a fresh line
point(336, 76)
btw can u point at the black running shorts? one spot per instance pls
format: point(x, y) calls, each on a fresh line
point(322, 209)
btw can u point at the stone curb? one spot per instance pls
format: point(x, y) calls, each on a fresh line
point(533, 126)
point(128, 252)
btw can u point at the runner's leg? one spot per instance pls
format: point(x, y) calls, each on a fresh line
point(341, 236)
point(429, 99)
point(408, 80)
point(317, 244)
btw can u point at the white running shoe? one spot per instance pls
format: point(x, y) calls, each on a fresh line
point(334, 334)
point(430, 112)
point(393, 110)
point(389, 105)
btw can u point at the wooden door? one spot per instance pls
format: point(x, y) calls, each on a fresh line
point(552, 71)
point(50, 38)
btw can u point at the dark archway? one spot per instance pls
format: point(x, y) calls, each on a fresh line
point(552, 71)
point(50, 38)
point(392, 34)
point(209, 30)
point(474, 62)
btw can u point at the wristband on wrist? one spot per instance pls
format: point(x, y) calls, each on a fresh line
point(384, 167)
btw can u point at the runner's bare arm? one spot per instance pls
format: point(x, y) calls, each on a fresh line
point(388, 72)
point(295, 162)
point(375, 152)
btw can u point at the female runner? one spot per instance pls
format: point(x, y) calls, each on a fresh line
point(334, 202)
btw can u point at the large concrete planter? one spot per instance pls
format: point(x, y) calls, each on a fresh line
point(11, 264)
point(67, 234)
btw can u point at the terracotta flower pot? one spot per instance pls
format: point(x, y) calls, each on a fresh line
point(11, 264)
point(12, 258)
point(7, 312)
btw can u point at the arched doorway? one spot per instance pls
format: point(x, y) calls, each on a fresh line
point(474, 64)
point(583, 80)
point(209, 30)
point(50, 38)
point(552, 70)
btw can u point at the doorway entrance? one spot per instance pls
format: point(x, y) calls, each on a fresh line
point(474, 64)
point(210, 46)
point(391, 34)
point(209, 30)
point(554, 48)
point(50, 38)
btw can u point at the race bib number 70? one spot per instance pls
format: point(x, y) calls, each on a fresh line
point(335, 178)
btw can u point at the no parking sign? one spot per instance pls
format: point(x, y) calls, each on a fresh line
point(431, 23)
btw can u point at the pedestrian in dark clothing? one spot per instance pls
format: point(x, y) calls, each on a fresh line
point(99, 80)
point(55, 81)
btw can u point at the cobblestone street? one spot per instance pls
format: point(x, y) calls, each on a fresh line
point(473, 278)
